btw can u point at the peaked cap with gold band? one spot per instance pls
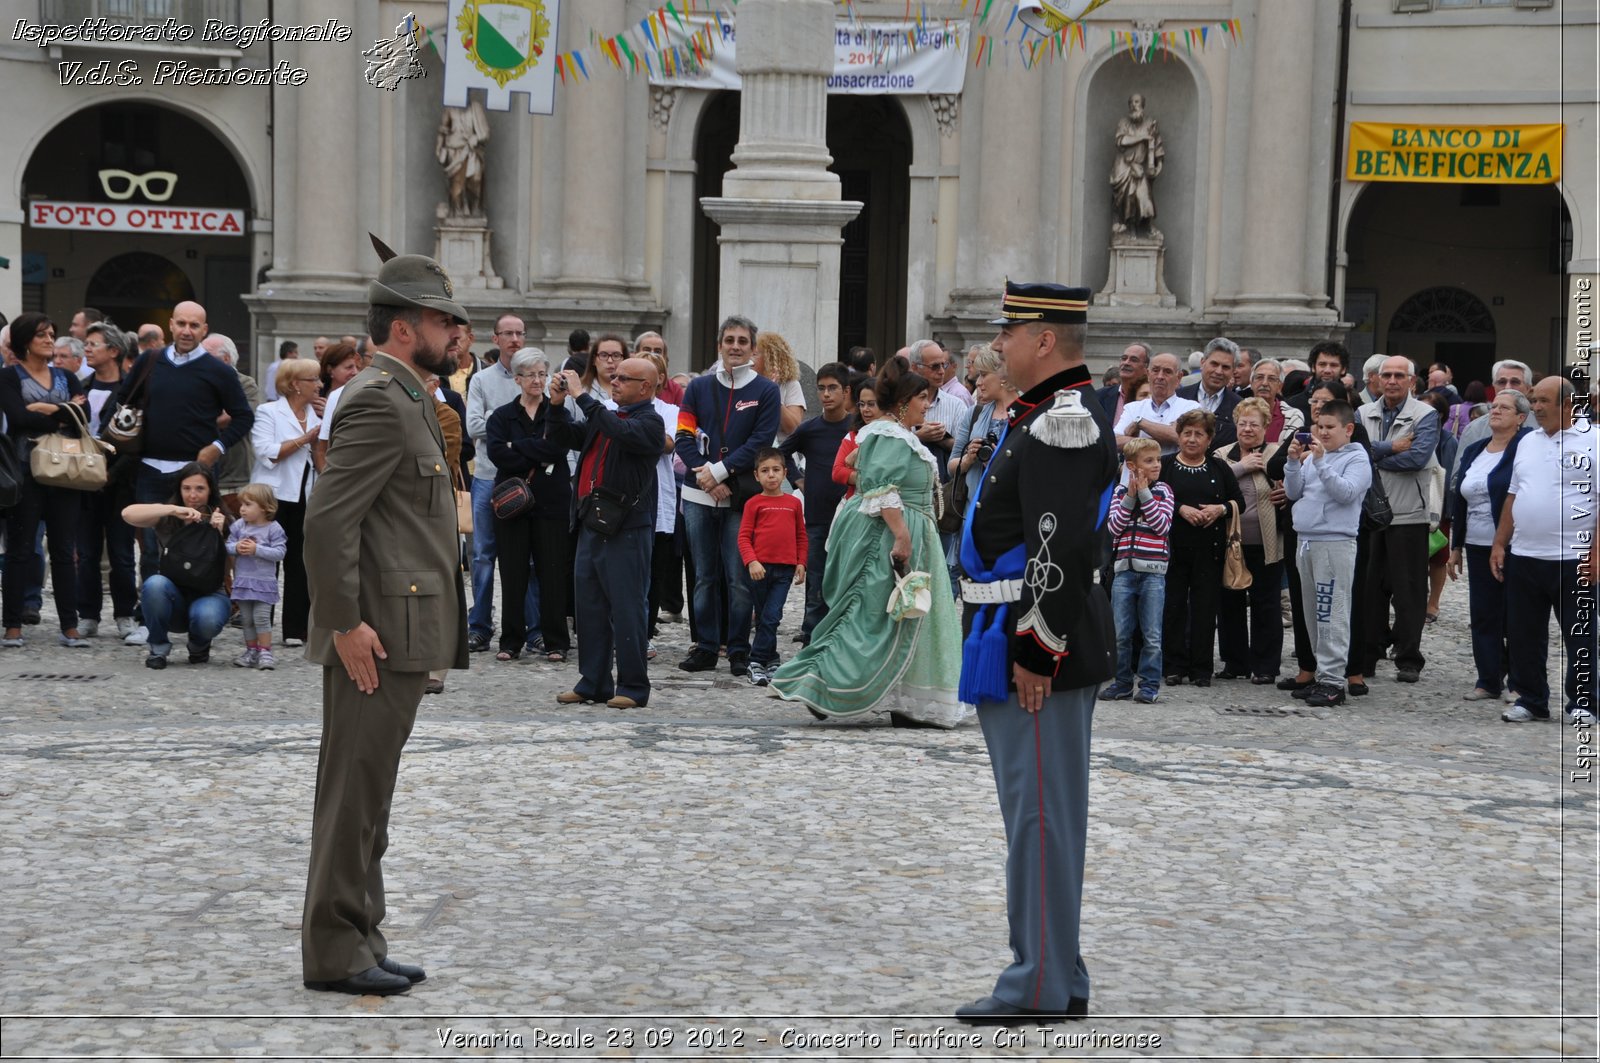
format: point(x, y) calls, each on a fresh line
point(415, 281)
point(1045, 303)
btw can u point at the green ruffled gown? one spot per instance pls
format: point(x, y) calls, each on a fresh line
point(860, 659)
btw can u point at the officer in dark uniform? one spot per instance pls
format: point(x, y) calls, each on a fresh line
point(387, 605)
point(1039, 640)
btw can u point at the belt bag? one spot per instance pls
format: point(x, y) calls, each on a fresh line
point(76, 460)
point(604, 509)
point(509, 500)
point(1001, 590)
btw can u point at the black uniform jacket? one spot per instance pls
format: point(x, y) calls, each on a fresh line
point(1053, 499)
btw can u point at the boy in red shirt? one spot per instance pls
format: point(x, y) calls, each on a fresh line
point(772, 545)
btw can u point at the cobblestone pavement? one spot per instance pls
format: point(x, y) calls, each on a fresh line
point(718, 875)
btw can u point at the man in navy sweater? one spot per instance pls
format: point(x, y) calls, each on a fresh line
point(187, 392)
point(725, 418)
point(817, 441)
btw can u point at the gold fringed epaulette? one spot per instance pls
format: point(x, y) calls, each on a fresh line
point(1066, 424)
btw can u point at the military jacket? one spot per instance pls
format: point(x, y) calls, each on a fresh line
point(1052, 495)
point(382, 544)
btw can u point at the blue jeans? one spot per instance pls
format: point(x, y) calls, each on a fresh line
point(816, 565)
point(769, 595)
point(167, 608)
point(480, 618)
point(1139, 597)
point(713, 534)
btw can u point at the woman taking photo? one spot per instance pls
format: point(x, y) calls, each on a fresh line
point(1253, 648)
point(188, 596)
point(915, 663)
point(519, 450)
point(37, 399)
point(1202, 489)
point(283, 434)
point(1482, 479)
point(994, 395)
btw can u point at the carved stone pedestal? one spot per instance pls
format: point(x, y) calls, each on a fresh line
point(1138, 272)
point(461, 246)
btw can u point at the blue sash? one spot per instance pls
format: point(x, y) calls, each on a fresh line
point(984, 652)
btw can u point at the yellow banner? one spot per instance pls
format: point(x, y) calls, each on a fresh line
point(1455, 154)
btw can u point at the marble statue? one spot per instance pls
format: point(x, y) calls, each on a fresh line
point(1139, 158)
point(463, 132)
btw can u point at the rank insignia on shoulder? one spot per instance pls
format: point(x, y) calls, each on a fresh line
point(1067, 423)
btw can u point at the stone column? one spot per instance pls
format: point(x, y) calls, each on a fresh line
point(780, 210)
point(1001, 186)
point(1281, 179)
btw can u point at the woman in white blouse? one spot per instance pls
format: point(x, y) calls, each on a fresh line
point(775, 360)
point(283, 434)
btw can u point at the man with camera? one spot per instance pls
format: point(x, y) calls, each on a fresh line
point(616, 492)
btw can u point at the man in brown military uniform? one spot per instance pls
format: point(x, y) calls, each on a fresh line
point(387, 606)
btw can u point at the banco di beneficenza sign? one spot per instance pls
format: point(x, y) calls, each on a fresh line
point(1455, 154)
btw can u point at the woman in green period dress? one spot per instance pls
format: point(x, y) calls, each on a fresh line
point(861, 659)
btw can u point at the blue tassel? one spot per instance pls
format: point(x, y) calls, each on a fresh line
point(970, 649)
point(990, 679)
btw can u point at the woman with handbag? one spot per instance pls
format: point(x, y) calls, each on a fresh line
point(37, 400)
point(283, 435)
point(187, 592)
point(1253, 648)
point(536, 532)
point(875, 650)
point(1203, 487)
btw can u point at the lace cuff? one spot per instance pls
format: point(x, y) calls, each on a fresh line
point(874, 502)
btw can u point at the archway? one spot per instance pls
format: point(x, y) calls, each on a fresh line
point(870, 141)
point(165, 172)
point(137, 287)
point(1458, 273)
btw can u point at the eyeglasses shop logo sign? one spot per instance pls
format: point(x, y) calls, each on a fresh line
point(126, 218)
point(157, 185)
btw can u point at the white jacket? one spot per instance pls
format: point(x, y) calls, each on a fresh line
point(275, 425)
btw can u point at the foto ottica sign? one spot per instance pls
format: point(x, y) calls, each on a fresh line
point(126, 218)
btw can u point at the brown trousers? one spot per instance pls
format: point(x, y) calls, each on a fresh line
point(362, 738)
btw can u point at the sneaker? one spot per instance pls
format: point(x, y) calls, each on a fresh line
point(265, 660)
point(1520, 713)
point(126, 626)
point(1146, 696)
point(477, 643)
point(74, 642)
point(1324, 695)
point(1302, 693)
point(293, 644)
point(1579, 717)
point(139, 636)
point(88, 628)
point(1116, 692)
point(534, 645)
point(650, 650)
point(739, 664)
point(1508, 696)
point(758, 674)
point(157, 661)
point(248, 658)
point(13, 643)
point(698, 661)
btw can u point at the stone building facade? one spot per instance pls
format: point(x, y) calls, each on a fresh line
point(597, 211)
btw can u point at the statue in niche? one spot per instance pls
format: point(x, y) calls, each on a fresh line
point(1139, 158)
point(463, 132)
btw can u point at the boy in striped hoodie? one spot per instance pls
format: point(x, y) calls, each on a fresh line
point(1140, 518)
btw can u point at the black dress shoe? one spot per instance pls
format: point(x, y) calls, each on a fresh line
point(992, 1012)
point(410, 972)
point(1292, 683)
point(1201, 680)
point(1227, 673)
point(477, 643)
point(1176, 680)
point(1262, 680)
point(1357, 690)
point(374, 981)
point(698, 661)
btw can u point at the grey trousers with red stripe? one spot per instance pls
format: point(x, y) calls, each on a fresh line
point(1041, 771)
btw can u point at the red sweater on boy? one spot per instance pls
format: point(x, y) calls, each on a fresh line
point(773, 531)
